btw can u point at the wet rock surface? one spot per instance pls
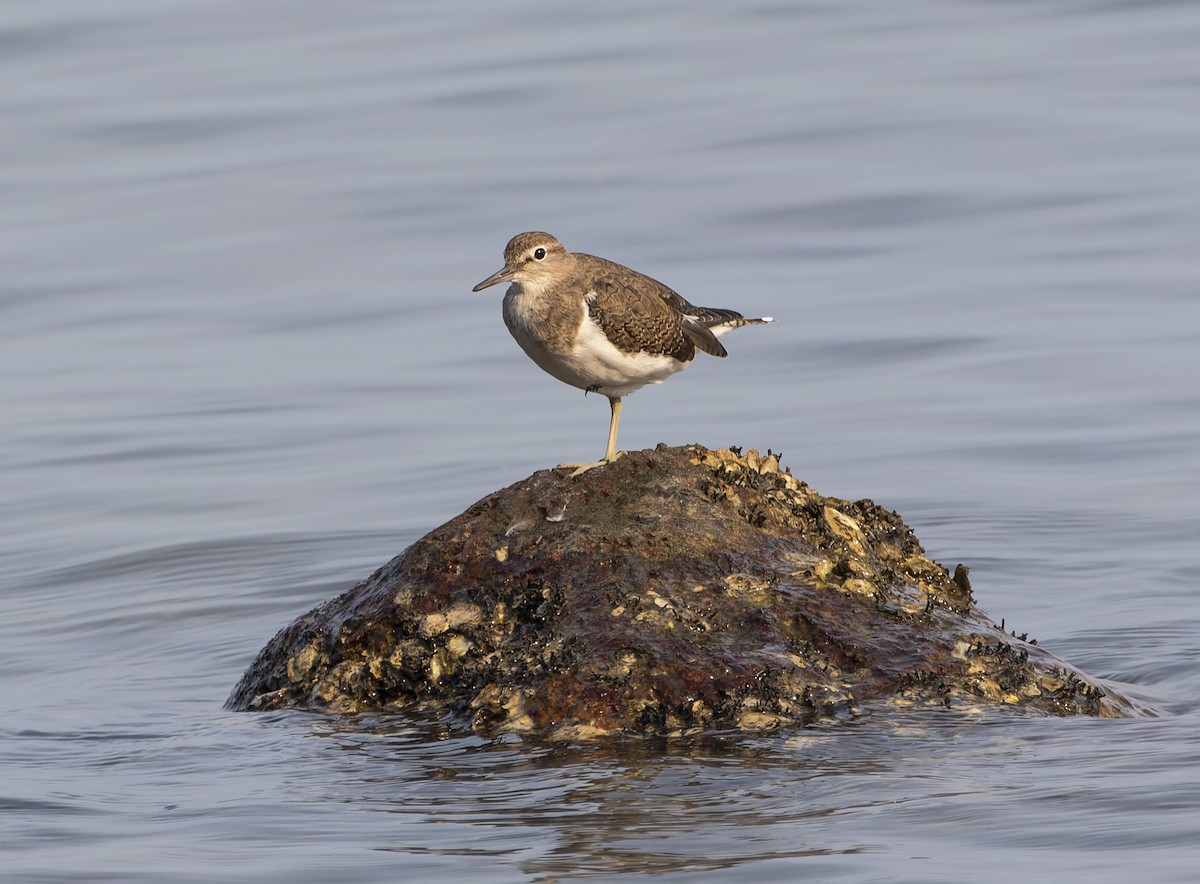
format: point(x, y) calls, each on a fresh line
point(677, 590)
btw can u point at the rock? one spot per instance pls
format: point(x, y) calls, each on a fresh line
point(674, 591)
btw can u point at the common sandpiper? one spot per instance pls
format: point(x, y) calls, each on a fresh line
point(600, 326)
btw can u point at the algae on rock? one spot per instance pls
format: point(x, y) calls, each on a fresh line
point(674, 591)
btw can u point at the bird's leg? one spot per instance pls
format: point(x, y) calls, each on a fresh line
point(610, 453)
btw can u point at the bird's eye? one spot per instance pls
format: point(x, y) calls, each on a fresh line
point(539, 253)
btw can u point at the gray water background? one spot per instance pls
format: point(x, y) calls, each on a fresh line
point(241, 366)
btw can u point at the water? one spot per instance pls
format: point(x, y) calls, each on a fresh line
point(242, 366)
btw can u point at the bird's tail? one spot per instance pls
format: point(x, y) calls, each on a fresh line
point(739, 321)
point(721, 321)
point(708, 324)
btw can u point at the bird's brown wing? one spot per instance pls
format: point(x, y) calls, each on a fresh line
point(637, 320)
point(696, 320)
point(693, 323)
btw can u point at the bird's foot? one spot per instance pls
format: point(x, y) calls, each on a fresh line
point(578, 469)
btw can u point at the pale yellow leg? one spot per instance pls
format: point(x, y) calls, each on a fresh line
point(610, 453)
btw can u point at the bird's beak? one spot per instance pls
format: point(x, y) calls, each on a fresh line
point(503, 275)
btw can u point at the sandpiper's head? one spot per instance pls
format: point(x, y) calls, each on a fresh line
point(527, 258)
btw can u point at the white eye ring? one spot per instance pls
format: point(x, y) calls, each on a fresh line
point(539, 253)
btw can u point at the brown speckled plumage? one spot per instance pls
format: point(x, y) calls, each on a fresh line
point(633, 322)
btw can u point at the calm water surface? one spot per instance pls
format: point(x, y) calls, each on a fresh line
point(241, 366)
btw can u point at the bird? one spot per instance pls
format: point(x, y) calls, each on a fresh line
point(600, 326)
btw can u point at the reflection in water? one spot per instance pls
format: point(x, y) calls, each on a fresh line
point(707, 804)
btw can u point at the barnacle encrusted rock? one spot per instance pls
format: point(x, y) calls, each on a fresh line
point(676, 590)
